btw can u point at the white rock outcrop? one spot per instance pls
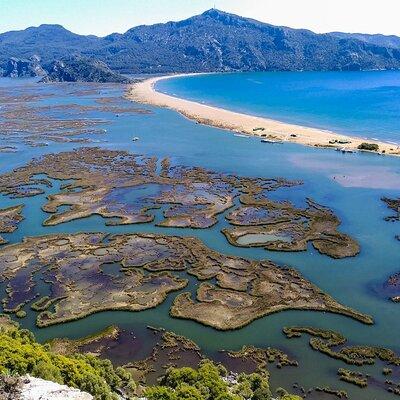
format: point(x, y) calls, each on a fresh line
point(39, 389)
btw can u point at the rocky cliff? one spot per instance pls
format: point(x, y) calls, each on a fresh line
point(30, 388)
point(17, 68)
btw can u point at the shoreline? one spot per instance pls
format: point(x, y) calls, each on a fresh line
point(265, 128)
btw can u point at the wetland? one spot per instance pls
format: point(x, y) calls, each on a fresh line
point(220, 246)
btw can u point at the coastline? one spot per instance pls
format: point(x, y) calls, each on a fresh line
point(144, 92)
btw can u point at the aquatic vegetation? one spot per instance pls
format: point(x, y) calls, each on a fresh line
point(391, 288)
point(261, 357)
point(271, 290)
point(394, 205)
point(71, 266)
point(151, 268)
point(283, 227)
point(193, 196)
point(70, 346)
point(110, 183)
point(25, 120)
point(42, 304)
point(393, 387)
point(9, 219)
point(341, 394)
point(387, 371)
point(353, 377)
point(332, 344)
point(20, 314)
point(170, 351)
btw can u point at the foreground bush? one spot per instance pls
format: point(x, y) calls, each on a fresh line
point(20, 354)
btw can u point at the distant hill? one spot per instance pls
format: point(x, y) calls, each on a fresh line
point(212, 41)
point(81, 69)
point(49, 42)
point(378, 40)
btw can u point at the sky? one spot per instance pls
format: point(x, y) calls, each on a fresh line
point(102, 17)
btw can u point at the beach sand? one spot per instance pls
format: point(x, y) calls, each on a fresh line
point(144, 92)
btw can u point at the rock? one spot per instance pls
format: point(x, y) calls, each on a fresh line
point(20, 68)
point(38, 389)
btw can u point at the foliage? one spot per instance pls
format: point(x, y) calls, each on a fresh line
point(209, 382)
point(368, 146)
point(20, 354)
point(213, 41)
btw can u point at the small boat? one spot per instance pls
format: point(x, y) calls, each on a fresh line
point(135, 139)
point(242, 135)
point(271, 141)
point(344, 150)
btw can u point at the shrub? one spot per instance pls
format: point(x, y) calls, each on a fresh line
point(20, 354)
point(208, 383)
point(368, 146)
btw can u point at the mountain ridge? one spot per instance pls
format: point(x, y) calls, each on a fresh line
point(214, 41)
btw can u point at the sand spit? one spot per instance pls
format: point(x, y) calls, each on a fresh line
point(265, 128)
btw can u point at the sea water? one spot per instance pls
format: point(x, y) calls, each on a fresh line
point(365, 104)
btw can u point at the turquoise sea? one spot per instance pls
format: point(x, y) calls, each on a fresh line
point(365, 104)
point(351, 185)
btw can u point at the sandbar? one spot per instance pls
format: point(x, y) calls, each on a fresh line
point(144, 92)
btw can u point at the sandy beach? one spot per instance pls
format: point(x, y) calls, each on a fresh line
point(265, 128)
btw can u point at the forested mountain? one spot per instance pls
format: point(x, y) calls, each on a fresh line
point(212, 41)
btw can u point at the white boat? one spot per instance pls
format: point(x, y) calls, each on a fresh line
point(271, 141)
point(135, 139)
point(242, 135)
point(344, 150)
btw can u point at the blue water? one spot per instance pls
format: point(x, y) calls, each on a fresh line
point(365, 104)
point(356, 202)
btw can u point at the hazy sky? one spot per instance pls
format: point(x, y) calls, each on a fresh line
point(101, 17)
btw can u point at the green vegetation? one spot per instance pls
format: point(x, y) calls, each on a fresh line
point(387, 371)
point(342, 394)
point(42, 304)
point(20, 354)
point(20, 314)
point(354, 377)
point(368, 146)
point(332, 344)
point(211, 382)
point(263, 356)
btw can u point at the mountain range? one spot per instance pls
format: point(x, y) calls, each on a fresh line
point(212, 41)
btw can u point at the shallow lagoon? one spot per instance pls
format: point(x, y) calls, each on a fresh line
point(350, 281)
point(260, 238)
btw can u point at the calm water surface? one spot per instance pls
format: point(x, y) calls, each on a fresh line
point(366, 104)
point(355, 198)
